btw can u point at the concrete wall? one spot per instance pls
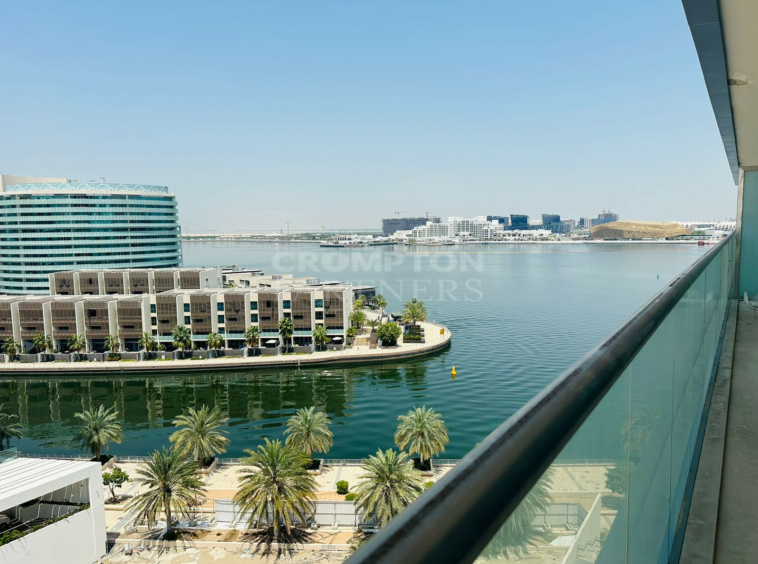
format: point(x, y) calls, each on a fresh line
point(69, 541)
point(587, 535)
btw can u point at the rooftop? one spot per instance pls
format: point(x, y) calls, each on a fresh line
point(24, 478)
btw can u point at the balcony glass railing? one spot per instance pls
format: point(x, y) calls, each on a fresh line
point(597, 467)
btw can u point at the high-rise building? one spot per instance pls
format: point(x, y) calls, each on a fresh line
point(54, 224)
point(519, 221)
point(392, 224)
point(503, 220)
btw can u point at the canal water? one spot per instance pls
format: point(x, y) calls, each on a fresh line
point(519, 315)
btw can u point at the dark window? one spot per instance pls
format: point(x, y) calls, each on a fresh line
point(152, 308)
point(186, 308)
point(253, 318)
point(299, 317)
point(220, 318)
point(319, 315)
point(221, 331)
point(254, 306)
point(128, 326)
point(269, 303)
point(153, 321)
point(288, 315)
point(287, 304)
point(319, 303)
point(198, 321)
point(220, 306)
point(155, 331)
point(91, 312)
point(186, 320)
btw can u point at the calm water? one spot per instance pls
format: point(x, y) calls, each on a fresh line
point(520, 315)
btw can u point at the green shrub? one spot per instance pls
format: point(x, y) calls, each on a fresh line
point(350, 497)
point(342, 487)
point(428, 485)
point(10, 536)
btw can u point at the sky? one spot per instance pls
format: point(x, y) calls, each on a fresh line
point(338, 113)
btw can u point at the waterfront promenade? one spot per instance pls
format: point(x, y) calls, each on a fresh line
point(437, 337)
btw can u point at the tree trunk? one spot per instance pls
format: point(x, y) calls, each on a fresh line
point(168, 518)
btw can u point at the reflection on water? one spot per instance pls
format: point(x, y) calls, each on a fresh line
point(257, 404)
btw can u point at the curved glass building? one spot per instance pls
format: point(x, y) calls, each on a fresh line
point(51, 224)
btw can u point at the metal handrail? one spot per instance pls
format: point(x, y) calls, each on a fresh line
point(454, 521)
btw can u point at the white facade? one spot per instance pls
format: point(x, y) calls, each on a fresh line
point(39, 489)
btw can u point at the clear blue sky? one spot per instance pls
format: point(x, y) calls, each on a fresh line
point(258, 113)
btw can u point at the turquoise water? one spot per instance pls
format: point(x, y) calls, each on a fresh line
point(519, 314)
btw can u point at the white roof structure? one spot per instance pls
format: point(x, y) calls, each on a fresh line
point(23, 479)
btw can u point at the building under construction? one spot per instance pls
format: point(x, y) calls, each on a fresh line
point(638, 230)
point(392, 224)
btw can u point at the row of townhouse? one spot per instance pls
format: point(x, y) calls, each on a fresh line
point(132, 281)
point(228, 312)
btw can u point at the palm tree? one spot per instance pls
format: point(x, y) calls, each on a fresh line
point(112, 344)
point(99, 428)
point(172, 488)
point(252, 336)
point(147, 342)
point(320, 335)
point(358, 304)
point(415, 310)
point(182, 337)
point(374, 302)
point(422, 431)
point(277, 487)
point(201, 436)
point(8, 428)
point(308, 431)
point(373, 323)
point(77, 343)
point(381, 303)
point(357, 318)
point(286, 329)
point(389, 485)
point(518, 532)
point(41, 343)
point(215, 341)
point(10, 347)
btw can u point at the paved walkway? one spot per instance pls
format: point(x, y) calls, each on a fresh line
point(434, 341)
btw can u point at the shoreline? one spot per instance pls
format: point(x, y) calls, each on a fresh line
point(360, 355)
point(465, 243)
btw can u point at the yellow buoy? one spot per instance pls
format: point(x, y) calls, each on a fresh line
point(453, 372)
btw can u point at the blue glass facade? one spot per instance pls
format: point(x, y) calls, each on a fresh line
point(49, 227)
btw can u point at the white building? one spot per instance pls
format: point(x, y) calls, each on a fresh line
point(477, 227)
point(63, 495)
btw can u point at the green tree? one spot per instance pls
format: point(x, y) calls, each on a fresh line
point(277, 487)
point(373, 324)
point(518, 532)
point(374, 302)
point(114, 480)
point(286, 330)
point(147, 342)
point(10, 347)
point(389, 333)
point(389, 485)
point(112, 344)
point(99, 428)
point(215, 341)
point(357, 318)
point(76, 343)
point(172, 488)
point(201, 434)
point(381, 304)
point(252, 336)
point(422, 431)
point(358, 303)
point(308, 430)
point(320, 335)
point(42, 343)
point(617, 478)
point(414, 311)
point(182, 337)
point(9, 428)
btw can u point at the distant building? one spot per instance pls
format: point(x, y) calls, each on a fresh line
point(503, 220)
point(585, 222)
point(638, 230)
point(552, 222)
point(392, 224)
point(569, 223)
point(605, 217)
point(70, 225)
point(519, 221)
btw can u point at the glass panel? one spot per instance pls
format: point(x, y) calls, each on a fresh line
point(614, 494)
